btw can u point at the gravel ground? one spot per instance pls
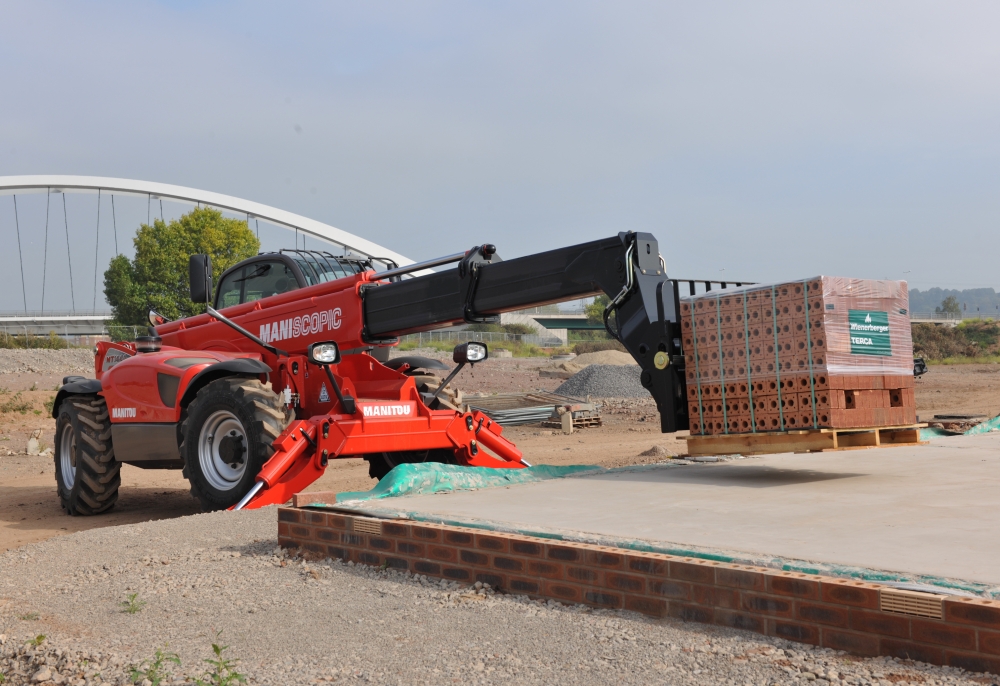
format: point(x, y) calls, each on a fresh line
point(70, 361)
point(296, 622)
point(605, 381)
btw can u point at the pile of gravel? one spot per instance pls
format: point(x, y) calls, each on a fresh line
point(69, 361)
point(605, 381)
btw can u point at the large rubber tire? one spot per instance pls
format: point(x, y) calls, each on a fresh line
point(380, 464)
point(87, 474)
point(249, 416)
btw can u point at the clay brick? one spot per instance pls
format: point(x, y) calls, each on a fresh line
point(856, 644)
point(739, 578)
point(496, 544)
point(424, 567)
point(582, 574)
point(284, 530)
point(792, 631)
point(989, 642)
point(352, 539)
point(691, 613)
point(646, 565)
point(822, 614)
point(791, 584)
point(984, 613)
point(337, 553)
point(312, 517)
point(692, 571)
point(380, 543)
point(394, 529)
point(408, 548)
point(603, 599)
point(397, 563)
point(905, 650)
point(548, 570)
point(669, 589)
point(939, 633)
point(336, 522)
point(880, 623)
point(473, 558)
point(740, 620)
point(563, 553)
point(972, 663)
point(301, 531)
point(604, 559)
point(508, 564)
point(563, 591)
point(855, 593)
point(369, 559)
point(457, 538)
point(426, 533)
point(651, 607)
point(625, 582)
point(522, 585)
point(438, 552)
point(456, 573)
point(767, 605)
point(286, 514)
point(714, 596)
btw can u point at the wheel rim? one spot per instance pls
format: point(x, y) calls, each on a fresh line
point(222, 450)
point(67, 456)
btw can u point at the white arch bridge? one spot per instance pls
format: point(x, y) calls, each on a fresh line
point(81, 320)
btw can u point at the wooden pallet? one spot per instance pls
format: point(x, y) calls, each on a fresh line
point(578, 422)
point(814, 440)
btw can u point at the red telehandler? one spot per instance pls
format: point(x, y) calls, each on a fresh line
point(288, 369)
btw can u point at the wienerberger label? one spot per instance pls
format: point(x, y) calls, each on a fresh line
point(317, 322)
point(388, 409)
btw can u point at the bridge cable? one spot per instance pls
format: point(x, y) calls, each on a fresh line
point(97, 245)
point(161, 209)
point(45, 251)
point(20, 258)
point(257, 223)
point(114, 223)
point(69, 256)
point(149, 199)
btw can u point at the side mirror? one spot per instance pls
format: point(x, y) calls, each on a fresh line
point(323, 353)
point(470, 353)
point(200, 275)
point(156, 319)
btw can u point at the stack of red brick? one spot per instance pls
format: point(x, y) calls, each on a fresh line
point(819, 353)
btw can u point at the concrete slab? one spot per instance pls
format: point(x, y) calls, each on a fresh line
point(929, 510)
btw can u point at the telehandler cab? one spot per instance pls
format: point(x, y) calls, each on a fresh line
point(288, 369)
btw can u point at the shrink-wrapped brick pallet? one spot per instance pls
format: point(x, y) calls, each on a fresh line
point(826, 352)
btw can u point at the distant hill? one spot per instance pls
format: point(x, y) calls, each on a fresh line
point(986, 299)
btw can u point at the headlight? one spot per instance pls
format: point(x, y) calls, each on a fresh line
point(470, 353)
point(324, 353)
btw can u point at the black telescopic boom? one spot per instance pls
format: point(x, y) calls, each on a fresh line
point(626, 267)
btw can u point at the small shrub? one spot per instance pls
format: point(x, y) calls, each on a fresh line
point(29, 617)
point(155, 670)
point(37, 640)
point(133, 605)
point(223, 671)
point(16, 404)
point(49, 404)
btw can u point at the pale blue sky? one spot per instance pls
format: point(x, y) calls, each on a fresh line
point(772, 140)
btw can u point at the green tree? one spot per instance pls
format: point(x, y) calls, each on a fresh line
point(949, 306)
point(595, 310)
point(158, 276)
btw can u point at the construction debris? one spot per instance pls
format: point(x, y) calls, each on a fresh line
point(513, 409)
point(605, 381)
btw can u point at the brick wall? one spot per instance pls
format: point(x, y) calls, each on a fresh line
point(842, 614)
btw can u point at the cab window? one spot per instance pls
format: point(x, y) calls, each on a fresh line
point(230, 290)
point(264, 279)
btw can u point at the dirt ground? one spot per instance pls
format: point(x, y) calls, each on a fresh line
point(29, 509)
